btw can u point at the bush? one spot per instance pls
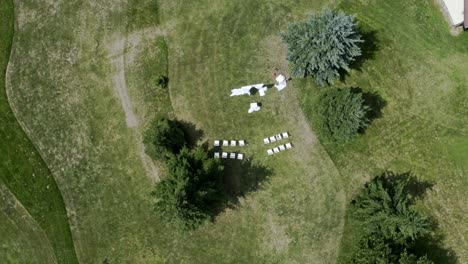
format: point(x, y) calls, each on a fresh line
point(343, 113)
point(192, 189)
point(164, 139)
point(323, 45)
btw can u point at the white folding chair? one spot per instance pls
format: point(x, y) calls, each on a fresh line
point(281, 147)
point(288, 145)
point(266, 141)
point(233, 143)
point(240, 156)
point(216, 155)
point(285, 135)
point(270, 152)
point(225, 143)
point(275, 150)
point(232, 156)
point(216, 143)
point(272, 139)
point(224, 155)
point(278, 137)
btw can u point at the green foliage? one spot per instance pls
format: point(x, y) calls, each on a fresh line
point(323, 45)
point(192, 189)
point(165, 138)
point(384, 205)
point(343, 113)
point(391, 225)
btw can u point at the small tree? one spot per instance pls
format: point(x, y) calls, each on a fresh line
point(323, 45)
point(192, 189)
point(165, 138)
point(343, 113)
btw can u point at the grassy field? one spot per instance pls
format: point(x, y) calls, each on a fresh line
point(418, 69)
point(26, 176)
point(72, 61)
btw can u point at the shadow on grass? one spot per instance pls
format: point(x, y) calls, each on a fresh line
point(242, 177)
point(414, 187)
point(372, 100)
point(369, 48)
point(431, 245)
point(191, 132)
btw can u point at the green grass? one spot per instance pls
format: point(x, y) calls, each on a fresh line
point(25, 174)
point(419, 70)
point(62, 88)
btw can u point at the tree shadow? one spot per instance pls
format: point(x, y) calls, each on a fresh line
point(431, 245)
point(373, 101)
point(191, 132)
point(242, 177)
point(414, 187)
point(369, 48)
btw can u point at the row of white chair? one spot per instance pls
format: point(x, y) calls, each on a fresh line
point(226, 143)
point(275, 138)
point(279, 148)
point(231, 155)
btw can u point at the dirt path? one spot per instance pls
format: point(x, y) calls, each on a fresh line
point(117, 57)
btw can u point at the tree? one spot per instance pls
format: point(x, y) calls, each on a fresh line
point(384, 205)
point(165, 138)
point(192, 189)
point(323, 45)
point(343, 113)
point(392, 227)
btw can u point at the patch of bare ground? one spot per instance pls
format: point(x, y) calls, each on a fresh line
point(122, 51)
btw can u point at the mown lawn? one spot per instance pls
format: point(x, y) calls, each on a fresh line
point(26, 176)
point(419, 71)
point(292, 209)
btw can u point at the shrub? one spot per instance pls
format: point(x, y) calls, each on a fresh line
point(164, 139)
point(343, 113)
point(192, 189)
point(323, 45)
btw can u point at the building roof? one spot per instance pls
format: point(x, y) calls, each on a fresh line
point(466, 14)
point(455, 10)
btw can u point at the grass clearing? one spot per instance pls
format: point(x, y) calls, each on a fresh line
point(60, 82)
point(417, 68)
point(26, 176)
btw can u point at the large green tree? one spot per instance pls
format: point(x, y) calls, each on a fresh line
point(164, 139)
point(391, 226)
point(343, 113)
point(323, 45)
point(192, 188)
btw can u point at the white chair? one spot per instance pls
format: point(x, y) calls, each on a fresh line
point(241, 143)
point(270, 152)
point(224, 155)
point(225, 143)
point(216, 155)
point(233, 143)
point(281, 147)
point(272, 139)
point(232, 156)
point(288, 145)
point(285, 135)
point(240, 156)
point(278, 137)
point(266, 141)
point(275, 150)
point(216, 143)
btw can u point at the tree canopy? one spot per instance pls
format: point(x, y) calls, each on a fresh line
point(392, 227)
point(343, 113)
point(192, 188)
point(323, 45)
point(165, 138)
